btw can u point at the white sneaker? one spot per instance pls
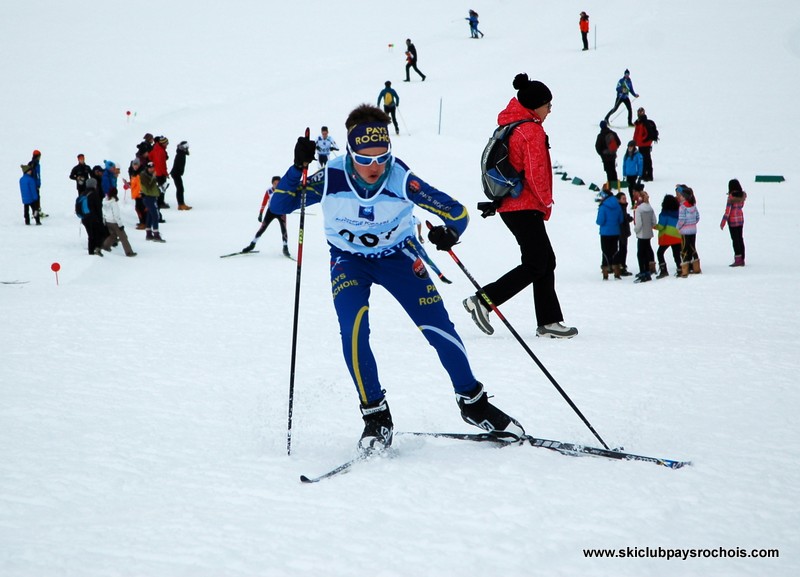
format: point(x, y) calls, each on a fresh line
point(556, 331)
point(479, 313)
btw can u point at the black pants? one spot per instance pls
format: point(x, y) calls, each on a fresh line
point(31, 207)
point(161, 180)
point(178, 180)
point(622, 250)
point(413, 65)
point(609, 245)
point(538, 267)
point(392, 111)
point(676, 254)
point(627, 102)
point(268, 218)
point(647, 163)
point(737, 239)
point(96, 232)
point(585, 38)
point(610, 168)
point(644, 254)
point(688, 250)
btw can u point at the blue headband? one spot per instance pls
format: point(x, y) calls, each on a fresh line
point(368, 135)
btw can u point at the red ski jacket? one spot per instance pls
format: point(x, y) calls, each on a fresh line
point(528, 153)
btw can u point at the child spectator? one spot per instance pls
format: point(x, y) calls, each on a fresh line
point(688, 217)
point(644, 221)
point(113, 221)
point(668, 235)
point(734, 216)
point(624, 234)
point(609, 218)
point(632, 166)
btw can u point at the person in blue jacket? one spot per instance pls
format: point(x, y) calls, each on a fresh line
point(624, 91)
point(390, 100)
point(473, 25)
point(367, 197)
point(609, 218)
point(30, 194)
point(109, 179)
point(632, 167)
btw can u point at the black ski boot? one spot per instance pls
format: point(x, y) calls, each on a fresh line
point(249, 247)
point(378, 427)
point(477, 410)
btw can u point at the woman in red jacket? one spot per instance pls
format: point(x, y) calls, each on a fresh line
point(525, 215)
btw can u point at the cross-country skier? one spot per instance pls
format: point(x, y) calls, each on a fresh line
point(367, 198)
point(325, 144)
point(624, 90)
point(265, 220)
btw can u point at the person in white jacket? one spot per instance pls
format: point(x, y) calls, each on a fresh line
point(644, 221)
point(113, 220)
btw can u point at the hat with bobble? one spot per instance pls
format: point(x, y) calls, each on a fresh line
point(531, 93)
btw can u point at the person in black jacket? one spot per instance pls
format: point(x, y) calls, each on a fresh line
point(411, 60)
point(178, 166)
point(80, 173)
point(96, 231)
point(606, 146)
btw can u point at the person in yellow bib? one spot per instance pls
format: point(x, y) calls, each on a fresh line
point(390, 101)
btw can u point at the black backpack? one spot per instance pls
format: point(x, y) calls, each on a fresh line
point(652, 131)
point(499, 178)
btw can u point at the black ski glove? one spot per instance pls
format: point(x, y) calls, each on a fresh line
point(304, 152)
point(443, 237)
point(260, 216)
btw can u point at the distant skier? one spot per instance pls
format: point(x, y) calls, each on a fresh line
point(325, 144)
point(624, 90)
point(473, 25)
point(583, 24)
point(390, 100)
point(265, 220)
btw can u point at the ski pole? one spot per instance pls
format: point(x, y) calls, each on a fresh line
point(404, 120)
point(522, 342)
point(424, 255)
point(301, 227)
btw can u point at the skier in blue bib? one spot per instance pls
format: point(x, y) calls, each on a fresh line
point(367, 198)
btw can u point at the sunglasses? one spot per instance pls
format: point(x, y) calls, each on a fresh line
point(365, 160)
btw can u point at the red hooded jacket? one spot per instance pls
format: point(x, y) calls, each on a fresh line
point(159, 158)
point(528, 153)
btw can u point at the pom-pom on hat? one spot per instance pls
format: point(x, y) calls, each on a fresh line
point(531, 93)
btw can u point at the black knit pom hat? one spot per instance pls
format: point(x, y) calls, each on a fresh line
point(531, 93)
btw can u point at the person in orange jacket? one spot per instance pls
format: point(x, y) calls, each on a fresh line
point(583, 23)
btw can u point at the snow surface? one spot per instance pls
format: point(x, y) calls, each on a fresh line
point(143, 402)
